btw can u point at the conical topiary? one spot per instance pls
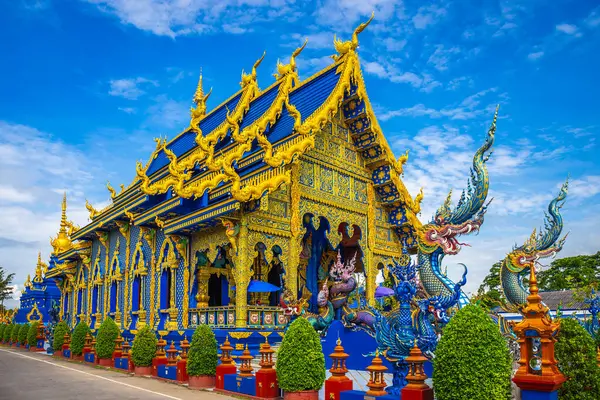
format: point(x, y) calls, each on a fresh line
point(2, 328)
point(15, 333)
point(32, 334)
point(144, 347)
point(203, 356)
point(472, 360)
point(300, 360)
point(59, 335)
point(78, 338)
point(105, 339)
point(8, 332)
point(23, 334)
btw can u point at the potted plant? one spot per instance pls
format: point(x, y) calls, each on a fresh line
point(15, 335)
point(472, 360)
point(105, 341)
point(32, 335)
point(300, 362)
point(202, 358)
point(143, 350)
point(59, 337)
point(23, 335)
point(78, 340)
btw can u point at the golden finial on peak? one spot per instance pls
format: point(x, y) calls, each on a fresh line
point(200, 99)
point(93, 212)
point(112, 191)
point(344, 48)
point(251, 77)
point(62, 242)
point(285, 69)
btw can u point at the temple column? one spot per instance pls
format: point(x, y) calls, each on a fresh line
point(242, 266)
point(291, 268)
point(369, 261)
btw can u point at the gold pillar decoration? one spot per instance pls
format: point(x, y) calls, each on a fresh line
point(291, 269)
point(369, 262)
point(125, 230)
point(242, 272)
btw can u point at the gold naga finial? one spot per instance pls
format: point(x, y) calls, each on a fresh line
point(285, 69)
point(200, 99)
point(93, 212)
point(122, 186)
point(39, 269)
point(62, 242)
point(112, 191)
point(344, 48)
point(401, 161)
point(251, 77)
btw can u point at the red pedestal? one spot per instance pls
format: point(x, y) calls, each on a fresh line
point(155, 363)
point(105, 362)
point(117, 354)
point(182, 375)
point(266, 384)
point(408, 393)
point(223, 370)
point(333, 387)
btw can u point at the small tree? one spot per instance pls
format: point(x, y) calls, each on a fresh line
point(105, 339)
point(78, 339)
point(144, 347)
point(472, 360)
point(32, 334)
point(575, 352)
point(203, 357)
point(59, 335)
point(300, 360)
point(23, 334)
point(8, 332)
point(15, 333)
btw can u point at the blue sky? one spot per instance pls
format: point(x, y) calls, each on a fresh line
point(86, 86)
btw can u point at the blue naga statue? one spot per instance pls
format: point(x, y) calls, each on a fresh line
point(439, 237)
point(593, 325)
point(520, 260)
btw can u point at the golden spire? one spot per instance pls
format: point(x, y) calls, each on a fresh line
point(200, 98)
point(62, 242)
point(39, 269)
point(27, 283)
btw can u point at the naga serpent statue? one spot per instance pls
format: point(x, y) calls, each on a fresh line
point(438, 238)
point(593, 325)
point(298, 308)
point(519, 262)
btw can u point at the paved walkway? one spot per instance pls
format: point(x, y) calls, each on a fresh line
point(35, 376)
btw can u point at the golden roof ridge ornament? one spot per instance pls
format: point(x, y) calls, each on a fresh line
point(93, 212)
point(285, 69)
point(112, 191)
point(62, 241)
point(200, 100)
point(351, 45)
point(247, 79)
point(39, 269)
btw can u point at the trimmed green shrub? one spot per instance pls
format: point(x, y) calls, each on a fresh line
point(78, 338)
point(144, 347)
point(23, 334)
point(14, 335)
point(300, 360)
point(202, 357)
point(105, 339)
point(2, 328)
point(32, 334)
point(575, 352)
point(59, 335)
point(472, 360)
point(8, 332)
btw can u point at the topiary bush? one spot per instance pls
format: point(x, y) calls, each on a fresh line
point(59, 335)
point(575, 352)
point(144, 347)
point(8, 332)
point(23, 334)
point(32, 334)
point(300, 360)
point(14, 335)
point(105, 339)
point(472, 360)
point(202, 357)
point(78, 338)
point(2, 328)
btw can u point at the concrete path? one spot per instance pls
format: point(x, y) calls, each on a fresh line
point(36, 376)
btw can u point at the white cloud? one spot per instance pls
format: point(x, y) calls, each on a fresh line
point(428, 15)
point(535, 55)
point(127, 110)
point(385, 69)
point(10, 194)
point(129, 88)
point(442, 56)
point(593, 20)
point(568, 29)
point(585, 187)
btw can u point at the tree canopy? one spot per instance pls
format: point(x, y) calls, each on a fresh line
point(571, 273)
point(6, 288)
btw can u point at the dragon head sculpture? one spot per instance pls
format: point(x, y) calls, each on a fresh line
point(467, 217)
point(546, 243)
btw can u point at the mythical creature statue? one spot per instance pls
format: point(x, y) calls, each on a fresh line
point(439, 237)
point(344, 48)
point(397, 332)
point(593, 325)
point(344, 282)
point(298, 308)
point(519, 262)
